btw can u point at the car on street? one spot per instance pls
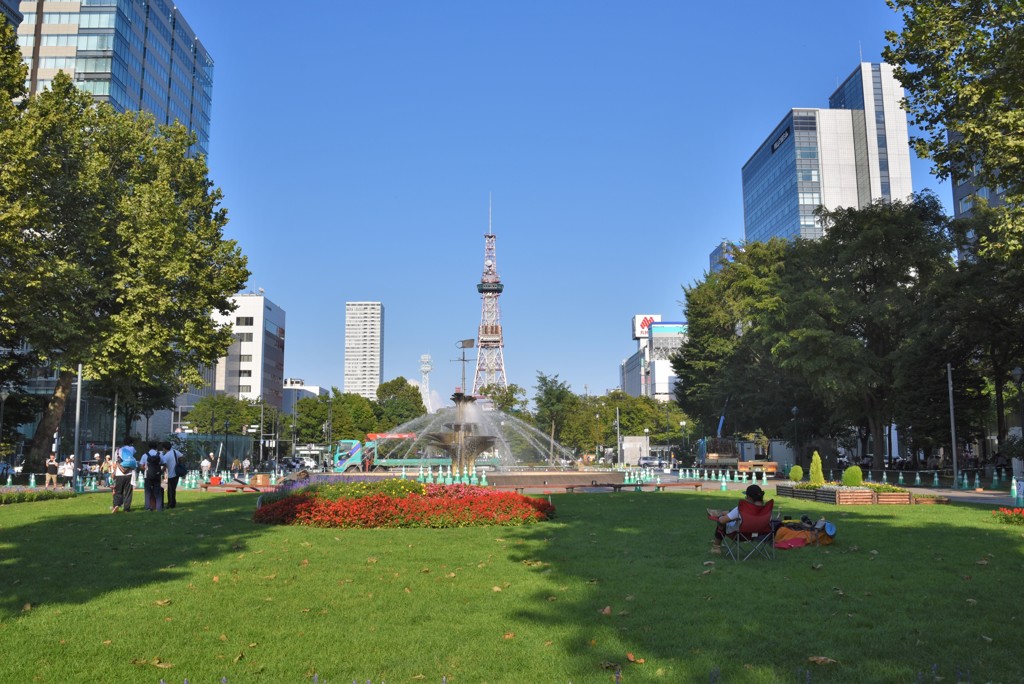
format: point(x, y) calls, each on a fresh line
point(651, 462)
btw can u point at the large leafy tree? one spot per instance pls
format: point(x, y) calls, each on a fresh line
point(398, 401)
point(554, 403)
point(111, 246)
point(223, 413)
point(853, 299)
point(511, 399)
point(962, 66)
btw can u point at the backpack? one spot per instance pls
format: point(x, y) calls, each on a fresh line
point(180, 469)
point(126, 460)
point(153, 464)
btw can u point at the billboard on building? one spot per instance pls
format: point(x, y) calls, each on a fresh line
point(641, 324)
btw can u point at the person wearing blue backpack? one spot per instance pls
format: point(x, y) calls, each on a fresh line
point(124, 473)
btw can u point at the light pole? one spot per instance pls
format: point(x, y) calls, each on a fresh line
point(4, 393)
point(618, 439)
point(682, 427)
point(647, 442)
point(597, 432)
point(796, 435)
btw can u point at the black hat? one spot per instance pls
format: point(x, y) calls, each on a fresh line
point(756, 493)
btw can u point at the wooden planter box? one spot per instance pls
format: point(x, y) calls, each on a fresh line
point(929, 501)
point(845, 497)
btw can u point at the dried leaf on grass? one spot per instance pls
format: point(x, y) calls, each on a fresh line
point(495, 588)
point(163, 602)
point(709, 562)
point(607, 610)
point(633, 659)
point(509, 635)
point(822, 660)
point(817, 566)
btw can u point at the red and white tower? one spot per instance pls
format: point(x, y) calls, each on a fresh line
point(490, 353)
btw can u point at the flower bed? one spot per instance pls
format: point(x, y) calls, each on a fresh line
point(840, 495)
point(1010, 516)
point(402, 503)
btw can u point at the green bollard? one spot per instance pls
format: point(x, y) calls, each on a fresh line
point(977, 480)
point(917, 479)
point(483, 479)
point(32, 481)
point(900, 481)
point(995, 479)
point(935, 479)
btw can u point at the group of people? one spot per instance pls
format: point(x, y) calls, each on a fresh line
point(158, 462)
point(59, 473)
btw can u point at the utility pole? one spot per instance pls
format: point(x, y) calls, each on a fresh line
point(618, 438)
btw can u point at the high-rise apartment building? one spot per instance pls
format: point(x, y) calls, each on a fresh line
point(134, 54)
point(364, 348)
point(849, 155)
point(254, 365)
point(9, 12)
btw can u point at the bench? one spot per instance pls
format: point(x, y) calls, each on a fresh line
point(769, 467)
point(696, 486)
point(235, 485)
point(614, 486)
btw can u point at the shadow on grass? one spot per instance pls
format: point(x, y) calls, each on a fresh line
point(907, 593)
point(73, 551)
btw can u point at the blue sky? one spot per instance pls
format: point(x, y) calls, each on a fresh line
point(357, 142)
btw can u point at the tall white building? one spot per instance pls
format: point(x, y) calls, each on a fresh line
point(364, 348)
point(849, 155)
point(254, 365)
point(295, 389)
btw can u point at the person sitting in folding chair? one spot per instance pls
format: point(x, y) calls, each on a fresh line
point(749, 521)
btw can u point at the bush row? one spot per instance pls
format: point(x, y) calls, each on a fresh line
point(14, 495)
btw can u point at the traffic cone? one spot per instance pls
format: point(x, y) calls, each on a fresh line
point(917, 479)
point(483, 479)
point(32, 481)
point(977, 480)
point(935, 479)
point(900, 481)
point(724, 486)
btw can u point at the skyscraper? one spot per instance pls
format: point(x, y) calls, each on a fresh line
point(9, 12)
point(364, 347)
point(134, 54)
point(849, 155)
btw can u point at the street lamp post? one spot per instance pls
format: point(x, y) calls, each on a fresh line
point(647, 442)
point(597, 433)
point(796, 434)
point(682, 427)
point(4, 393)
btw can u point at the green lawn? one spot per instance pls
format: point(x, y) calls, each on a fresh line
point(907, 594)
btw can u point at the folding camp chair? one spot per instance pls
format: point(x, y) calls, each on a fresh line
point(756, 534)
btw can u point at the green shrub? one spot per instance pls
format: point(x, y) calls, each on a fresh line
point(817, 477)
point(853, 477)
point(796, 473)
point(395, 487)
point(15, 495)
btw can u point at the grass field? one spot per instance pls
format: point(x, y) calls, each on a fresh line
point(907, 594)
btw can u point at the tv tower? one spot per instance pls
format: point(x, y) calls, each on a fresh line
point(426, 365)
point(490, 354)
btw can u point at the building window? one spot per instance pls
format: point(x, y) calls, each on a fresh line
point(245, 373)
point(243, 320)
point(245, 388)
point(243, 337)
point(245, 357)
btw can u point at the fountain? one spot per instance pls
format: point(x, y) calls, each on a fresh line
point(461, 442)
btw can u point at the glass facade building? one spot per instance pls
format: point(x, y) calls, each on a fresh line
point(134, 54)
point(9, 12)
point(849, 155)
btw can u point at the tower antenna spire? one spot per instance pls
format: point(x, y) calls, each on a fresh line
point(490, 356)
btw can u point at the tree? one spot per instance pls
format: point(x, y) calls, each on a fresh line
point(851, 302)
point(962, 66)
point(398, 402)
point(510, 399)
point(555, 402)
point(111, 246)
point(223, 413)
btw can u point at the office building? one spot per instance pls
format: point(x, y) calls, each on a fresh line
point(134, 54)
point(723, 254)
point(648, 372)
point(254, 365)
point(295, 389)
point(9, 12)
point(364, 348)
point(849, 155)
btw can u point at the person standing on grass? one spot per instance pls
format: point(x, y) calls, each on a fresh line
point(52, 468)
point(205, 465)
point(124, 473)
point(171, 457)
point(154, 472)
point(106, 470)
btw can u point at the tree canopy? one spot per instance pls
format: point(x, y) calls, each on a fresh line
point(112, 252)
point(962, 66)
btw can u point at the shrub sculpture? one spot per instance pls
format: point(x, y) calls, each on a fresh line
point(796, 473)
point(853, 477)
point(816, 477)
point(401, 503)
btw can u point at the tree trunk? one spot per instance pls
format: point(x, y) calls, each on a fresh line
point(877, 427)
point(49, 423)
